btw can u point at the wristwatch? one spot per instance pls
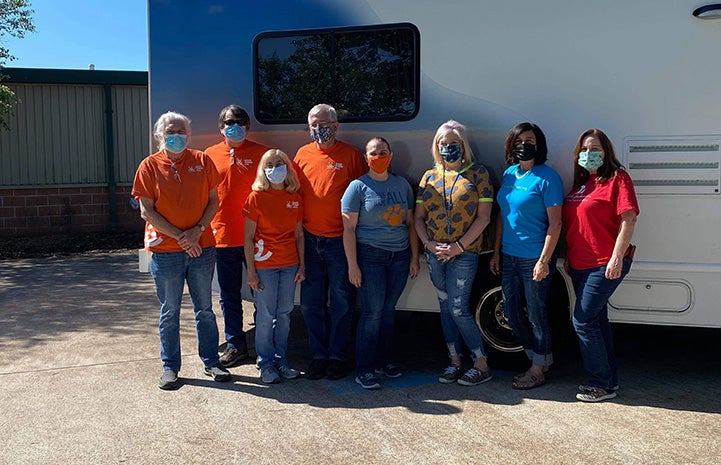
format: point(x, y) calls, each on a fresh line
point(202, 227)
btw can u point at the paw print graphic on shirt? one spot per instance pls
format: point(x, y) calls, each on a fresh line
point(394, 215)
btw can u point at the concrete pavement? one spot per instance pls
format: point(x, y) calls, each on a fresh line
point(78, 384)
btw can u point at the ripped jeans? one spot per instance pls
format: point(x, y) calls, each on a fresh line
point(453, 281)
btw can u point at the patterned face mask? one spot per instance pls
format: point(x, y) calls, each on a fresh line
point(450, 153)
point(590, 160)
point(322, 134)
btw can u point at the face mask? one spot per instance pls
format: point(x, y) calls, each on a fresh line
point(176, 143)
point(234, 133)
point(590, 160)
point(524, 151)
point(322, 134)
point(379, 163)
point(450, 153)
point(277, 174)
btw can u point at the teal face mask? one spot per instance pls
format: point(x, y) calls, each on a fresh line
point(590, 160)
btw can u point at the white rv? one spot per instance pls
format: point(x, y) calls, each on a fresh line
point(646, 72)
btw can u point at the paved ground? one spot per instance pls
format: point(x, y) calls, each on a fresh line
point(79, 366)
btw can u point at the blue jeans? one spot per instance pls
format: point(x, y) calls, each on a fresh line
point(272, 323)
point(532, 327)
point(328, 322)
point(453, 281)
point(230, 262)
point(171, 270)
point(590, 319)
point(383, 277)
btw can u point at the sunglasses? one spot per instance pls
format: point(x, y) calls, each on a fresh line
point(176, 174)
point(230, 122)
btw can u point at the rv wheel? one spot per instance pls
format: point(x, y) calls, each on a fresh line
point(494, 327)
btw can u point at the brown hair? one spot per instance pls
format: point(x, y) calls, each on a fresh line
point(541, 146)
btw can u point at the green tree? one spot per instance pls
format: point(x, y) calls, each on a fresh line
point(15, 20)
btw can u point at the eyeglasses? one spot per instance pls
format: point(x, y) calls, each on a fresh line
point(176, 174)
point(230, 122)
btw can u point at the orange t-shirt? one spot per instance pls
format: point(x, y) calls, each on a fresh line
point(237, 173)
point(324, 176)
point(180, 196)
point(275, 212)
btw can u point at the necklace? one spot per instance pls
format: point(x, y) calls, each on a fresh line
point(525, 173)
point(448, 201)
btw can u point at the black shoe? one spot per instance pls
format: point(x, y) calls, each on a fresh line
point(317, 368)
point(232, 356)
point(336, 370)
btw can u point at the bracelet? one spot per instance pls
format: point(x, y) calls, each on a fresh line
point(543, 259)
point(458, 243)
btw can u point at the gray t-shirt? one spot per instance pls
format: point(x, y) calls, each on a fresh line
point(382, 207)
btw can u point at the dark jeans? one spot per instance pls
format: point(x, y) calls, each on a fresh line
point(590, 319)
point(326, 274)
point(383, 277)
point(532, 327)
point(230, 262)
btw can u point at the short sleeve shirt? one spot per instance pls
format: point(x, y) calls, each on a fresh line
point(524, 199)
point(237, 168)
point(180, 192)
point(324, 175)
point(382, 208)
point(592, 218)
point(451, 200)
point(276, 213)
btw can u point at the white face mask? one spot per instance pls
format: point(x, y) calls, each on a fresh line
point(276, 174)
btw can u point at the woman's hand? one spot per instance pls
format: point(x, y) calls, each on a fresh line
point(495, 263)
point(614, 267)
point(354, 274)
point(540, 271)
point(414, 269)
point(300, 275)
point(254, 281)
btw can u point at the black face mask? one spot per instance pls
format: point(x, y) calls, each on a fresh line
point(524, 151)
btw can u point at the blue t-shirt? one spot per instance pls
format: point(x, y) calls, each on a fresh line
point(523, 199)
point(382, 207)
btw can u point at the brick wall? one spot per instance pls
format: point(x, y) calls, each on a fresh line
point(64, 209)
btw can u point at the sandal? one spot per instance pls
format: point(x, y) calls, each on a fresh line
point(546, 369)
point(528, 382)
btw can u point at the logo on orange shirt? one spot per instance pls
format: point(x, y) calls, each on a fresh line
point(294, 204)
point(259, 256)
point(335, 166)
point(195, 169)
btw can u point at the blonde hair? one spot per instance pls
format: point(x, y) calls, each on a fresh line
point(459, 130)
point(261, 181)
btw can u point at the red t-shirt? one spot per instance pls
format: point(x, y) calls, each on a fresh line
point(237, 173)
point(180, 192)
point(592, 217)
point(276, 212)
point(324, 176)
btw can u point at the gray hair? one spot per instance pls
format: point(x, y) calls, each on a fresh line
point(324, 108)
point(164, 121)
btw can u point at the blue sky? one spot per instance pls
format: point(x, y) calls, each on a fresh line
point(72, 34)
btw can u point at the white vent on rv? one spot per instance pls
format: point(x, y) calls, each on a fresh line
point(674, 165)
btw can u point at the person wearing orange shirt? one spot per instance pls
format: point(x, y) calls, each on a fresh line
point(177, 191)
point(274, 254)
point(236, 159)
point(325, 168)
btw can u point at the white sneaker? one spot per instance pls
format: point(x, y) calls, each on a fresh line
point(595, 395)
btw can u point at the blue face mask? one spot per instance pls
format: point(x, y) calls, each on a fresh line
point(234, 133)
point(176, 143)
point(590, 160)
point(450, 153)
point(276, 174)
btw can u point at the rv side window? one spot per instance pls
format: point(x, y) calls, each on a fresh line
point(366, 73)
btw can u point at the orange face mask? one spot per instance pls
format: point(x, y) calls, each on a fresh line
point(379, 163)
